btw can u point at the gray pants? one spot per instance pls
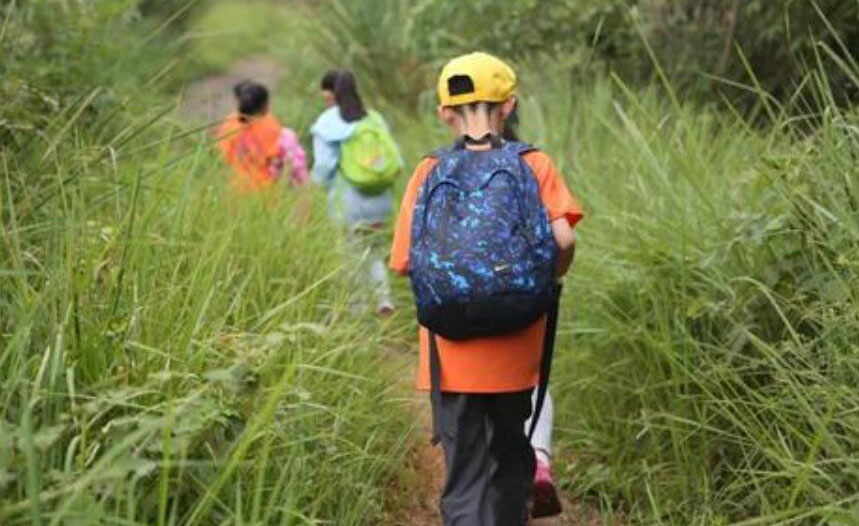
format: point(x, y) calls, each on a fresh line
point(490, 463)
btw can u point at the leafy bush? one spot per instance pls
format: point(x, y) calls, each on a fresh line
point(771, 43)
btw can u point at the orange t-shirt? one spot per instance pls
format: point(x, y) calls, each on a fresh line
point(507, 363)
point(250, 148)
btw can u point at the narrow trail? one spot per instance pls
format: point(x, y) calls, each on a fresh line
point(211, 98)
point(418, 487)
point(419, 507)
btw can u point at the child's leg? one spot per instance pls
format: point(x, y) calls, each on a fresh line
point(461, 421)
point(542, 439)
point(545, 498)
point(375, 270)
point(372, 276)
point(511, 460)
point(379, 279)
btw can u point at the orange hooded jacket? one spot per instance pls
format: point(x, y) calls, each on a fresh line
point(251, 146)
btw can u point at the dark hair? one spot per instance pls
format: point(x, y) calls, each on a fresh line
point(237, 89)
point(328, 80)
point(252, 98)
point(511, 123)
point(342, 83)
point(511, 126)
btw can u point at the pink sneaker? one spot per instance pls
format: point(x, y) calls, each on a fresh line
point(546, 502)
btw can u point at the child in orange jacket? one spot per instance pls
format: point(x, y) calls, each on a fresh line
point(255, 145)
point(486, 381)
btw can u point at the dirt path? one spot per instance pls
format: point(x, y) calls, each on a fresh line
point(420, 487)
point(210, 99)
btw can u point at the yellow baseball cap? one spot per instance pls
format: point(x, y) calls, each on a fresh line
point(476, 77)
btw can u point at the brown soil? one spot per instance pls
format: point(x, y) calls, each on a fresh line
point(420, 487)
point(575, 514)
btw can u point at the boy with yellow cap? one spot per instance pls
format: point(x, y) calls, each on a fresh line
point(484, 230)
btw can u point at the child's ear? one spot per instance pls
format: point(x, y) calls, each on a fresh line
point(508, 106)
point(447, 116)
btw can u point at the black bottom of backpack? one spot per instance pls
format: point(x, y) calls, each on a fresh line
point(491, 317)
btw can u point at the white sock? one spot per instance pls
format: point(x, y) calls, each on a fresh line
point(543, 456)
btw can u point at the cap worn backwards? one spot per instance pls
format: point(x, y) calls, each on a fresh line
point(476, 77)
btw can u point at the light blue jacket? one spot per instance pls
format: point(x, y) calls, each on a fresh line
point(345, 204)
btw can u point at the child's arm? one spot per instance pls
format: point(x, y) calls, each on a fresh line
point(226, 136)
point(399, 261)
point(326, 157)
point(297, 158)
point(565, 237)
point(564, 212)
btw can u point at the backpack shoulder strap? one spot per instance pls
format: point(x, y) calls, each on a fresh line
point(546, 359)
point(518, 147)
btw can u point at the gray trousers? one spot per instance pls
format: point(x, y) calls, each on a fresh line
point(490, 462)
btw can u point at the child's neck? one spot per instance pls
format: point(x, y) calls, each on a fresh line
point(477, 131)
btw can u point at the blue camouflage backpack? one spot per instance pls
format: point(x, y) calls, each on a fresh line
point(482, 259)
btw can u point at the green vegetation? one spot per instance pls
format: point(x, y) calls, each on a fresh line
point(709, 371)
point(169, 355)
point(230, 31)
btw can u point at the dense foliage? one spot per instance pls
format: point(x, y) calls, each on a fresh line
point(706, 377)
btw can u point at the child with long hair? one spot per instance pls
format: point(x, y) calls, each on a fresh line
point(362, 211)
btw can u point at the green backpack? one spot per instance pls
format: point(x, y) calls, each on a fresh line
point(369, 159)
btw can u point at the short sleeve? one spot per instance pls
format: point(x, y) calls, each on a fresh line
point(556, 197)
point(399, 261)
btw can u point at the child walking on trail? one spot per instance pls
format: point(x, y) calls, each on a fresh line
point(357, 162)
point(485, 230)
point(255, 145)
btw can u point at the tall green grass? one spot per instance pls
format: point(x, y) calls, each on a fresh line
point(170, 353)
point(176, 356)
point(706, 363)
